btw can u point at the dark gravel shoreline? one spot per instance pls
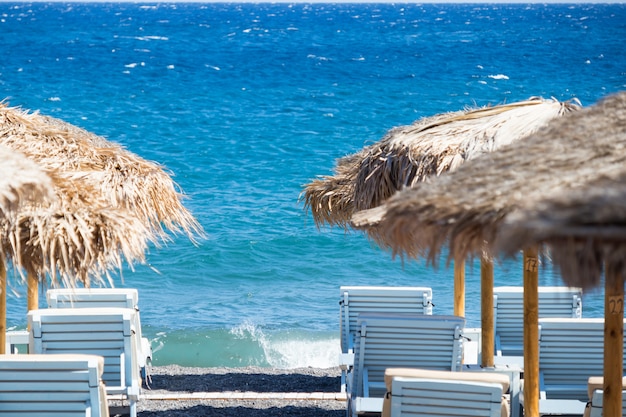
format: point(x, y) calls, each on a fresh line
point(168, 380)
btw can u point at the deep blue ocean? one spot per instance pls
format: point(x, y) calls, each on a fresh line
point(246, 103)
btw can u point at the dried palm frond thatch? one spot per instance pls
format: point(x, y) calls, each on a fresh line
point(408, 155)
point(78, 237)
point(584, 229)
point(129, 181)
point(466, 208)
point(21, 180)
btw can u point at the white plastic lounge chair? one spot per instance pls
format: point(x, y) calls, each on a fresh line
point(107, 297)
point(423, 392)
point(354, 300)
point(410, 340)
point(595, 386)
point(52, 385)
point(106, 332)
point(508, 302)
point(570, 351)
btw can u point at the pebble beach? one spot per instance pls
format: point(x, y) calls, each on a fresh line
point(177, 391)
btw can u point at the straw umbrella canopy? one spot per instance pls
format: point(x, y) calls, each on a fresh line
point(143, 187)
point(21, 181)
point(465, 209)
point(140, 188)
point(409, 155)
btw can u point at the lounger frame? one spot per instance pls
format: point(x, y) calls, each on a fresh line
point(570, 351)
point(106, 332)
point(508, 302)
point(107, 297)
point(392, 341)
point(52, 385)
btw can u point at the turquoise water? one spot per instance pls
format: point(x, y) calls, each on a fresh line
point(246, 103)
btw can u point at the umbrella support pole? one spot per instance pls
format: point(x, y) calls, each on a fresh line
point(459, 288)
point(486, 313)
point(33, 292)
point(3, 307)
point(613, 341)
point(531, 332)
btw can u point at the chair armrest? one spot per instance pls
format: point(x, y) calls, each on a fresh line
point(542, 387)
point(350, 343)
point(346, 363)
point(146, 349)
point(498, 345)
point(346, 360)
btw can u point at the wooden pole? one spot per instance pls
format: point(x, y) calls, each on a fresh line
point(3, 307)
point(613, 341)
point(486, 312)
point(459, 288)
point(33, 292)
point(531, 332)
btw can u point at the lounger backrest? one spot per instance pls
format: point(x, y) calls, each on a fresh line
point(562, 302)
point(102, 297)
point(94, 298)
point(107, 332)
point(414, 341)
point(52, 385)
point(443, 398)
point(570, 351)
point(355, 300)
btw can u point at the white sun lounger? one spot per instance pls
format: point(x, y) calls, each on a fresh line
point(570, 351)
point(508, 303)
point(106, 332)
point(386, 341)
point(421, 392)
point(52, 385)
point(107, 297)
point(354, 300)
point(595, 386)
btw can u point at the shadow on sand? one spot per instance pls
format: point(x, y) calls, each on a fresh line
point(245, 382)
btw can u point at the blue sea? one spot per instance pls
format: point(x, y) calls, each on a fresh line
point(246, 103)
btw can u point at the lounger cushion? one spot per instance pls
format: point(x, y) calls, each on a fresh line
point(492, 377)
point(597, 382)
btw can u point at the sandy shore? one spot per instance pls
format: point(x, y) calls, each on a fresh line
point(175, 380)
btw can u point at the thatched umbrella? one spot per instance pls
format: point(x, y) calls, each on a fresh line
point(129, 181)
point(140, 188)
point(409, 155)
point(466, 208)
point(585, 230)
point(21, 181)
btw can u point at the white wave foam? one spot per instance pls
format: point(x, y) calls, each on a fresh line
point(499, 77)
point(303, 353)
point(292, 349)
